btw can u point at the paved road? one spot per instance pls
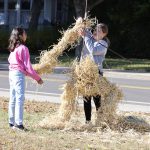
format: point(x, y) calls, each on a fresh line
point(136, 90)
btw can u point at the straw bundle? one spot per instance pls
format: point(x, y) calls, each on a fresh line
point(86, 81)
point(68, 101)
point(90, 83)
point(49, 59)
point(107, 111)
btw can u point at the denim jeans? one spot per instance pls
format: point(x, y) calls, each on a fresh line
point(16, 102)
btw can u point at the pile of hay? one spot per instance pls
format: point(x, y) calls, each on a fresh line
point(125, 122)
point(86, 81)
point(49, 59)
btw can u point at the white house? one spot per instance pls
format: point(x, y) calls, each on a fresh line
point(18, 12)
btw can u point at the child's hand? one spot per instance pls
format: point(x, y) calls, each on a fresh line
point(40, 81)
point(81, 32)
point(80, 20)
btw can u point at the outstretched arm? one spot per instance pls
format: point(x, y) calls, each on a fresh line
point(28, 67)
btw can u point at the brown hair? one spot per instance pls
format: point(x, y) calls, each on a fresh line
point(15, 38)
point(104, 27)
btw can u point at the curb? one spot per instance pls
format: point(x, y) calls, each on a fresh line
point(107, 72)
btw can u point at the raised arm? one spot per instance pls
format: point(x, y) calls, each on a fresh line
point(93, 47)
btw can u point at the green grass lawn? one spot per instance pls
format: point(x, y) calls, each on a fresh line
point(128, 64)
point(38, 138)
point(142, 65)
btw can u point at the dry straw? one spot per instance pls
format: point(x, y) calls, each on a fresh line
point(49, 59)
point(68, 101)
point(86, 81)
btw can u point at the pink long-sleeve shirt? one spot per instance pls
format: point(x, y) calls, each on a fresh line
point(19, 59)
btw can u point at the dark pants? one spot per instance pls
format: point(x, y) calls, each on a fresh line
point(88, 107)
point(87, 104)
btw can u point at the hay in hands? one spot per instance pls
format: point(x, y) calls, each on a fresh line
point(49, 59)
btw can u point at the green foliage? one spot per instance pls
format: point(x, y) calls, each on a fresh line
point(36, 40)
point(42, 39)
point(128, 21)
point(4, 36)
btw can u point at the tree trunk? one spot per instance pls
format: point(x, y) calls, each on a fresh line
point(80, 8)
point(35, 13)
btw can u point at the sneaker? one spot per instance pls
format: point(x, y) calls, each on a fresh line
point(87, 125)
point(20, 127)
point(88, 122)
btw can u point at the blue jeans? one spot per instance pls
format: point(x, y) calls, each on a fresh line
point(16, 102)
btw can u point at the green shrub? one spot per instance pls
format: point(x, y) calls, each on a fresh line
point(42, 39)
point(4, 36)
point(36, 41)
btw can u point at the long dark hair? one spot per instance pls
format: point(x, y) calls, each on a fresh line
point(15, 38)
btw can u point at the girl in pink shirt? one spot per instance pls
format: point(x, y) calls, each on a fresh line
point(20, 66)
